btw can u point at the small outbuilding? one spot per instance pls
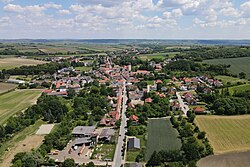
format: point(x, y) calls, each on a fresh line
point(133, 144)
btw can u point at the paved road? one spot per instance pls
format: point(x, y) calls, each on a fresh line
point(183, 106)
point(118, 151)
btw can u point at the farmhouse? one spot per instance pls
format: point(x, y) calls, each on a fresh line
point(106, 135)
point(133, 144)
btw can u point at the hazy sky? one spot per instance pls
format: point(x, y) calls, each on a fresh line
point(157, 19)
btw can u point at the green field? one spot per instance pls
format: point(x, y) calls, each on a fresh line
point(16, 101)
point(238, 65)
point(239, 88)
point(84, 68)
point(161, 136)
point(232, 80)
point(226, 133)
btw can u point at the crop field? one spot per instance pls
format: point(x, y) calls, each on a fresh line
point(237, 64)
point(226, 133)
point(16, 101)
point(158, 55)
point(5, 87)
point(239, 88)
point(8, 63)
point(161, 135)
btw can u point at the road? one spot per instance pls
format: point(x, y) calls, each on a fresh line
point(183, 106)
point(118, 151)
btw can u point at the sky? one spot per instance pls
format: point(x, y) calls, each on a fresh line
point(125, 19)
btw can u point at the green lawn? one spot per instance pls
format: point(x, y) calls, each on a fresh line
point(16, 101)
point(238, 65)
point(84, 68)
point(161, 136)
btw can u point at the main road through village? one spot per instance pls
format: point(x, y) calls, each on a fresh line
point(118, 151)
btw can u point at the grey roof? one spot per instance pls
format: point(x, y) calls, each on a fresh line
point(80, 141)
point(133, 143)
point(107, 133)
point(135, 165)
point(83, 130)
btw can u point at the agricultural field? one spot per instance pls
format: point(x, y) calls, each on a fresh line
point(161, 135)
point(84, 68)
point(225, 79)
point(5, 87)
point(23, 141)
point(8, 63)
point(158, 55)
point(237, 64)
point(226, 133)
point(16, 101)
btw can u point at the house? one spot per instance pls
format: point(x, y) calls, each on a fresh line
point(195, 80)
point(218, 83)
point(83, 131)
point(134, 119)
point(175, 106)
point(148, 100)
point(158, 81)
point(199, 110)
point(207, 90)
point(187, 81)
point(106, 135)
point(134, 144)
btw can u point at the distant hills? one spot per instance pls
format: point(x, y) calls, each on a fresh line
point(131, 41)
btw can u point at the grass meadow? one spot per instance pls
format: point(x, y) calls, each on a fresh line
point(161, 136)
point(226, 133)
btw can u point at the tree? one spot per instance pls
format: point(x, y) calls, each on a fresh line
point(71, 93)
point(242, 75)
point(90, 164)
point(154, 160)
point(69, 162)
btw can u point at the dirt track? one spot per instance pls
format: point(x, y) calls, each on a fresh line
point(240, 159)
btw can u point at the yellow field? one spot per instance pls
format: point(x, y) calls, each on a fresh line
point(226, 133)
point(8, 63)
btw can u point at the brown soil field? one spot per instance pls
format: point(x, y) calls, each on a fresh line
point(238, 159)
point(30, 142)
point(4, 87)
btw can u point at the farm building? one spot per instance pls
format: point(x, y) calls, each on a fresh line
point(15, 81)
point(133, 144)
point(83, 131)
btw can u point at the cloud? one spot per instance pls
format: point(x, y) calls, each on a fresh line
point(64, 12)
point(4, 21)
point(6, 1)
point(52, 5)
point(245, 7)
